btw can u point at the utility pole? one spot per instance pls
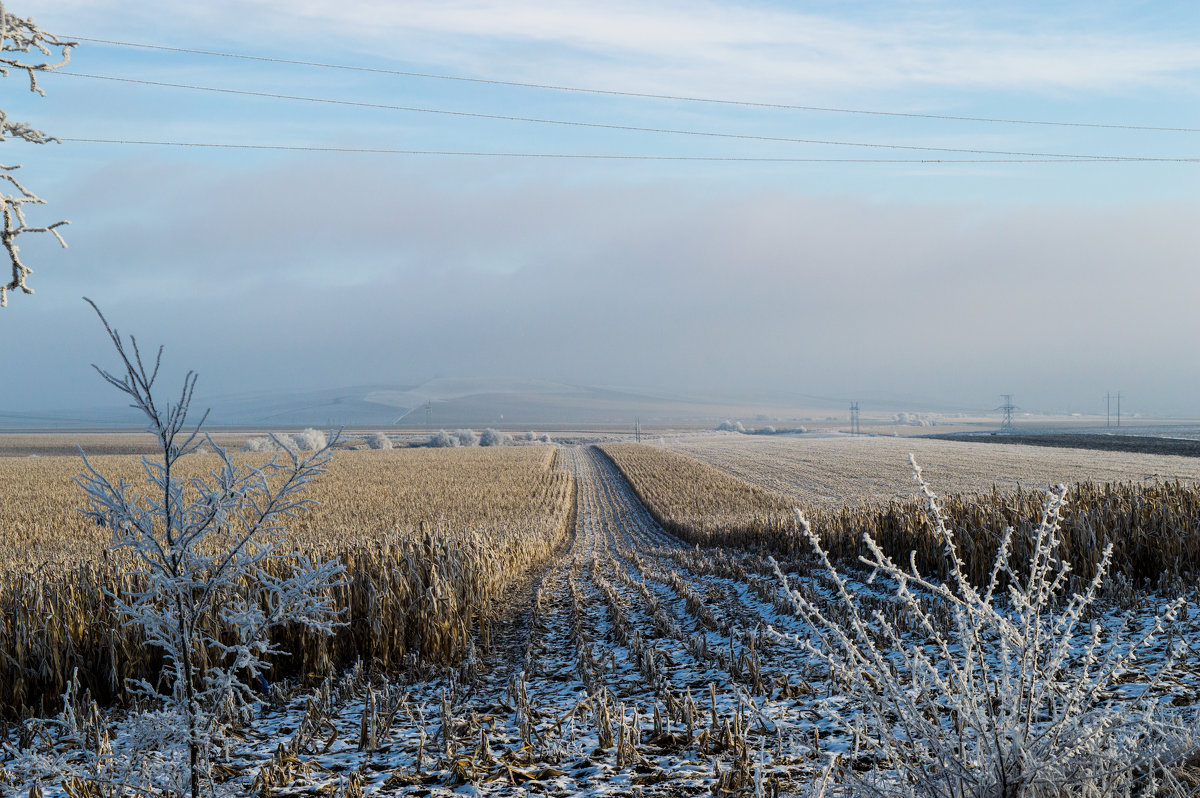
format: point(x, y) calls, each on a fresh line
point(855, 427)
point(429, 416)
point(1006, 425)
point(1118, 409)
point(1108, 409)
point(637, 429)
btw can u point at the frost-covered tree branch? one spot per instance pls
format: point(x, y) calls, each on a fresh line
point(21, 44)
point(1003, 690)
point(214, 578)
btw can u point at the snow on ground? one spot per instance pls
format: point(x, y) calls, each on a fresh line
point(632, 665)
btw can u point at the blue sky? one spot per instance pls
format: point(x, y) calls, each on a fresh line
point(281, 271)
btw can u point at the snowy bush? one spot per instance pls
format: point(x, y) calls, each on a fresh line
point(731, 426)
point(443, 440)
point(379, 441)
point(466, 437)
point(310, 440)
point(264, 444)
point(212, 582)
point(491, 437)
point(1004, 693)
point(544, 439)
point(913, 420)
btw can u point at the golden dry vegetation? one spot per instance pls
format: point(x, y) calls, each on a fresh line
point(839, 471)
point(42, 444)
point(429, 538)
point(698, 502)
point(1154, 527)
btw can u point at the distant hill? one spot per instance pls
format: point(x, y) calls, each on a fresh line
point(453, 403)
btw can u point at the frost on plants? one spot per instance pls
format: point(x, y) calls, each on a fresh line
point(491, 437)
point(443, 440)
point(214, 579)
point(379, 441)
point(1002, 690)
point(309, 440)
point(20, 38)
point(466, 437)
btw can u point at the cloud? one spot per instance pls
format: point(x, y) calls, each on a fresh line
point(753, 50)
point(289, 277)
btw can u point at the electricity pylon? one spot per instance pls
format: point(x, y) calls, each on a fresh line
point(1006, 425)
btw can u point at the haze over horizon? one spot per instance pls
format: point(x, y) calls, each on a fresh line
point(286, 271)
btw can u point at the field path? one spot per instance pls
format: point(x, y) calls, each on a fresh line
point(630, 665)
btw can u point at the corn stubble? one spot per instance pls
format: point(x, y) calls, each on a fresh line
point(1152, 526)
point(835, 472)
point(428, 537)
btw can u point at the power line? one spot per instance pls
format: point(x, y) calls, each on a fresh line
point(642, 95)
point(1006, 423)
point(603, 125)
point(594, 156)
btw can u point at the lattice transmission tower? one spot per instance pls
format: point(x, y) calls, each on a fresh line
point(855, 426)
point(1006, 424)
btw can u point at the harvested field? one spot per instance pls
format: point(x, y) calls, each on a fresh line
point(839, 471)
point(51, 444)
point(1151, 525)
point(430, 538)
point(1145, 444)
point(634, 664)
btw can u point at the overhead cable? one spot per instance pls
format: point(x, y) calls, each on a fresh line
point(643, 95)
point(608, 126)
point(607, 157)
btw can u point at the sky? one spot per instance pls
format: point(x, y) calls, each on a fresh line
point(695, 264)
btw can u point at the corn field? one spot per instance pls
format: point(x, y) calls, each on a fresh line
point(429, 539)
point(528, 621)
point(1154, 527)
point(839, 471)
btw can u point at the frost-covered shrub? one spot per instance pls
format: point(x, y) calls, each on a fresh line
point(731, 426)
point(1005, 691)
point(544, 439)
point(491, 437)
point(214, 581)
point(914, 420)
point(528, 436)
point(443, 440)
point(310, 440)
point(263, 444)
point(379, 441)
point(466, 437)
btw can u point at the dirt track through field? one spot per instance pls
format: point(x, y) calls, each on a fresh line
point(637, 666)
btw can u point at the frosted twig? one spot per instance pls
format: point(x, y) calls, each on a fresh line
point(20, 38)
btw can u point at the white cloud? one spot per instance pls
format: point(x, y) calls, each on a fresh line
point(698, 47)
